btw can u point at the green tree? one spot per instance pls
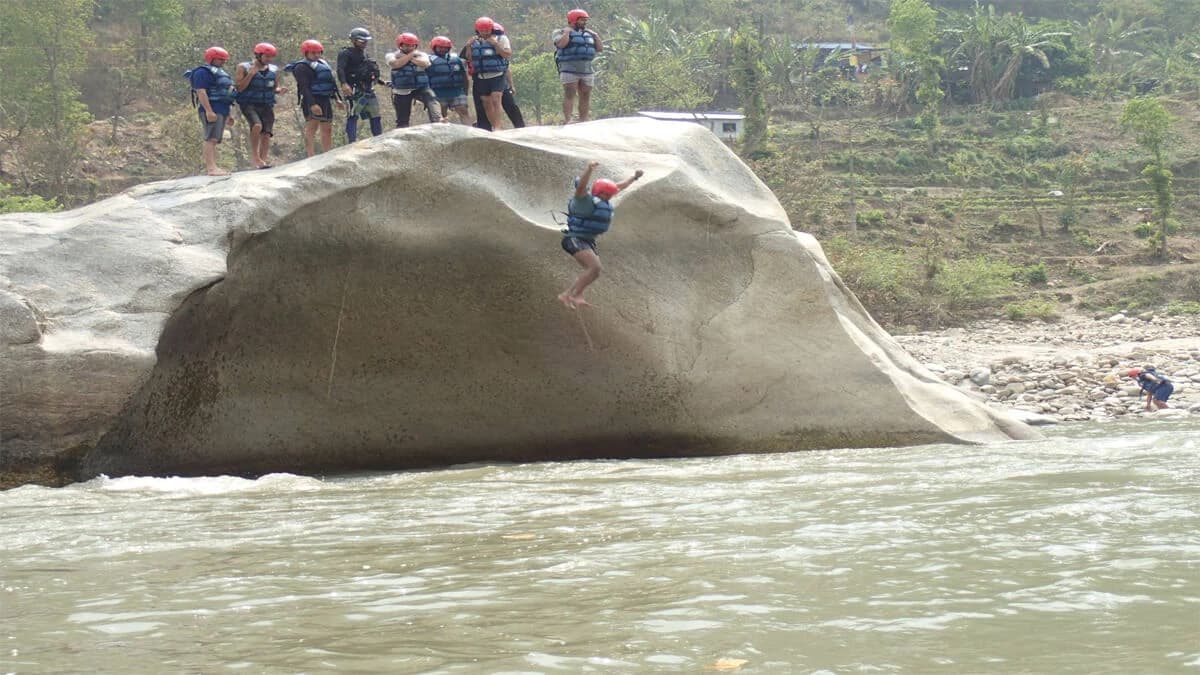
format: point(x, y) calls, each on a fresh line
point(47, 43)
point(914, 28)
point(994, 46)
point(535, 78)
point(1150, 124)
point(749, 79)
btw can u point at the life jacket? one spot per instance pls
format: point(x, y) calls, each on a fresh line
point(409, 76)
point(324, 83)
point(582, 47)
point(1149, 385)
point(589, 226)
point(446, 72)
point(220, 90)
point(484, 58)
point(261, 90)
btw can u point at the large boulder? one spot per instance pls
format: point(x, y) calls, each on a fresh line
point(391, 304)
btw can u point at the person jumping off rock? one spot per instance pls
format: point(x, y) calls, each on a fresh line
point(213, 93)
point(587, 218)
point(411, 81)
point(317, 89)
point(257, 84)
point(358, 74)
point(576, 46)
point(1157, 387)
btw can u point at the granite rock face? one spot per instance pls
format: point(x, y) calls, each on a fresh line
point(391, 304)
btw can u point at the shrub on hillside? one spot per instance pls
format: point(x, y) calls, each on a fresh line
point(965, 282)
point(870, 218)
point(10, 203)
point(1032, 308)
point(1036, 274)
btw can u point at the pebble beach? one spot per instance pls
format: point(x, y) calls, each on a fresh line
point(1067, 371)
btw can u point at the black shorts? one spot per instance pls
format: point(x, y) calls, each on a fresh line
point(491, 85)
point(260, 114)
point(573, 245)
point(326, 104)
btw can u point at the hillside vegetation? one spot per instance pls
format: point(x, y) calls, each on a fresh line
point(1017, 158)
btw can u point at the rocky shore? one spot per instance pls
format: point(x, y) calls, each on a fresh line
point(1071, 370)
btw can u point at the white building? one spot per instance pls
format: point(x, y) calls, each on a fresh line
point(727, 126)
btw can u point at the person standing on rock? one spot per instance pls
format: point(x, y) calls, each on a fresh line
point(410, 81)
point(317, 88)
point(588, 217)
point(1157, 387)
point(489, 54)
point(257, 85)
point(576, 46)
point(448, 78)
point(358, 74)
point(213, 92)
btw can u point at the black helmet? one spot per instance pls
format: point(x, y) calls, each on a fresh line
point(360, 34)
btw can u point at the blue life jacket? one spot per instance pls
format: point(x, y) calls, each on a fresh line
point(261, 90)
point(591, 226)
point(582, 47)
point(324, 82)
point(221, 90)
point(409, 76)
point(446, 72)
point(485, 59)
point(1149, 385)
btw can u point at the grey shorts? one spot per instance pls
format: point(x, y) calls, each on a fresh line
point(588, 80)
point(211, 131)
point(453, 101)
point(573, 245)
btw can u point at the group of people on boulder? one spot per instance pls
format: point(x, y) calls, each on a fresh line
point(440, 79)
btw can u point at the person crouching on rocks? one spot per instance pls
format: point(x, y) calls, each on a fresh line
point(410, 81)
point(588, 217)
point(317, 88)
point(257, 84)
point(1157, 387)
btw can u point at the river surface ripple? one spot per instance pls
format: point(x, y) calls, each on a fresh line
point(1079, 553)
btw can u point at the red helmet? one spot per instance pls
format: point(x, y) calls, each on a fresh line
point(213, 53)
point(1134, 372)
point(441, 41)
point(496, 27)
point(407, 39)
point(484, 25)
point(311, 46)
point(266, 49)
point(575, 15)
point(604, 188)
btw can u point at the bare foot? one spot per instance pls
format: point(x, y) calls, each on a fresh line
point(578, 301)
point(565, 300)
point(218, 172)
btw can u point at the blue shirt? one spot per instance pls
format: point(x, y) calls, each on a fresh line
point(582, 206)
point(202, 79)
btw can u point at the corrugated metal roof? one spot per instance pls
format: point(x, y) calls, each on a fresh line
point(690, 116)
point(832, 45)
